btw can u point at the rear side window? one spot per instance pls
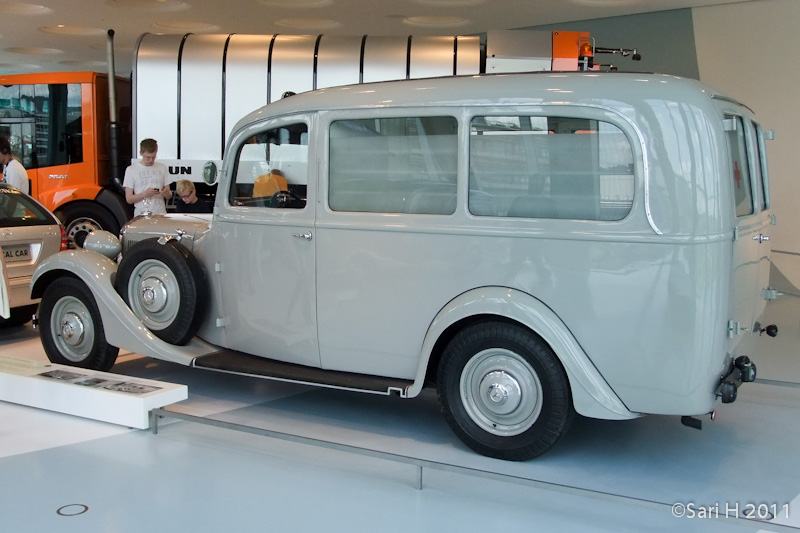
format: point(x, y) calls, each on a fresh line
point(17, 209)
point(549, 167)
point(762, 176)
point(394, 165)
point(740, 169)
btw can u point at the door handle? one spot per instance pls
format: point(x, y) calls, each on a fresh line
point(306, 235)
point(761, 238)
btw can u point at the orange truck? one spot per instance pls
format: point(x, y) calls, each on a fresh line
point(59, 128)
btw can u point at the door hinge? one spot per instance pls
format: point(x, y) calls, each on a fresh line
point(735, 328)
point(736, 233)
point(770, 293)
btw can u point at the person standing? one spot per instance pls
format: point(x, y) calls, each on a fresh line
point(147, 182)
point(13, 172)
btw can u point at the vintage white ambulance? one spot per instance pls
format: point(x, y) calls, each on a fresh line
point(532, 245)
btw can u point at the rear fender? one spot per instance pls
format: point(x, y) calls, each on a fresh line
point(591, 395)
point(122, 328)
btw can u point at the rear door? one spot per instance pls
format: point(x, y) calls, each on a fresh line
point(750, 238)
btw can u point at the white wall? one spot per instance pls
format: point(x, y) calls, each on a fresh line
point(752, 51)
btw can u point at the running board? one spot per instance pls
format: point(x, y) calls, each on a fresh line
point(233, 362)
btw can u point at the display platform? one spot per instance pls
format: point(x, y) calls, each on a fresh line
point(103, 396)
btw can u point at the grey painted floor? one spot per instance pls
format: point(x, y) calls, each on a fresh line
point(62, 473)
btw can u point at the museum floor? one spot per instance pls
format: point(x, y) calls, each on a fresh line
point(63, 473)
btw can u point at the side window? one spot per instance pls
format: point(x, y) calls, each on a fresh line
point(740, 169)
point(272, 169)
point(549, 167)
point(43, 123)
point(762, 176)
point(394, 165)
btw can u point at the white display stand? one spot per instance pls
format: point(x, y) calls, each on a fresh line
point(101, 396)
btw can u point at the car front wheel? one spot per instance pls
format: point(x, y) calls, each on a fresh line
point(503, 391)
point(71, 328)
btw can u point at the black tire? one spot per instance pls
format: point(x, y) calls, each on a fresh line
point(19, 316)
point(503, 391)
point(71, 328)
point(81, 219)
point(164, 286)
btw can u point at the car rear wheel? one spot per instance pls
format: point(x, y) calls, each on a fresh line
point(163, 285)
point(503, 391)
point(71, 328)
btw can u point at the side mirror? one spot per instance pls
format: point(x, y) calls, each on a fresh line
point(210, 173)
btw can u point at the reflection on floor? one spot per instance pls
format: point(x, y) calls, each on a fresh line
point(61, 473)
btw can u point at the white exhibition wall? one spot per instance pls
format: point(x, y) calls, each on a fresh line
point(749, 49)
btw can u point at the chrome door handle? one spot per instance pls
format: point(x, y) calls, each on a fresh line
point(306, 235)
point(761, 238)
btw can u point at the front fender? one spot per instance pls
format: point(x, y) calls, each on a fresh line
point(591, 395)
point(122, 328)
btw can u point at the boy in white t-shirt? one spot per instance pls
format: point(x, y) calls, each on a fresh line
point(147, 182)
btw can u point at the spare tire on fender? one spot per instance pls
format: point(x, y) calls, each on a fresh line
point(165, 287)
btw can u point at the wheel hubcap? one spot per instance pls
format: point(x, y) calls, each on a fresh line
point(72, 329)
point(154, 295)
point(501, 392)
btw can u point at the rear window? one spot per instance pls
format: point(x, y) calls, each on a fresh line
point(16, 209)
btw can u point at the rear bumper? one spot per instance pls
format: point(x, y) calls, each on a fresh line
point(741, 370)
point(19, 292)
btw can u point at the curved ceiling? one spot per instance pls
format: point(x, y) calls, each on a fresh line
point(63, 35)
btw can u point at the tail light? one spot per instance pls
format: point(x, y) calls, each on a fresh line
point(63, 238)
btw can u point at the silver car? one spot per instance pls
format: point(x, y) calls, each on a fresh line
point(29, 233)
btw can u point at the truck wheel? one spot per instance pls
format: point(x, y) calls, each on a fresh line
point(503, 391)
point(164, 286)
point(19, 316)
point(71, 329)
point(83, 218)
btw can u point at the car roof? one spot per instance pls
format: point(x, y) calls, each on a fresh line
point(538, 88)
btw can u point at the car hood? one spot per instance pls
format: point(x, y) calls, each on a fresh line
point(189, 227)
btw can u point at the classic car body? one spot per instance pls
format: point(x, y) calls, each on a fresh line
point(532, 244)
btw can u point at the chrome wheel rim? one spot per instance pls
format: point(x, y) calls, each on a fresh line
point(73, 329)
point(501, 392)
point(154, 294)
point(80, 228)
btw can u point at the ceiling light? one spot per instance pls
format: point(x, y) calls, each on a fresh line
point(83, 63)
point(297, 3)
point(605, 3)
point(21, 8)
point(436, 21)
point(63, 29)
point(33, 50)
point(450, 3)
point(16, 67)
point(307, 23)
point(151, 5)
point(185, 25)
